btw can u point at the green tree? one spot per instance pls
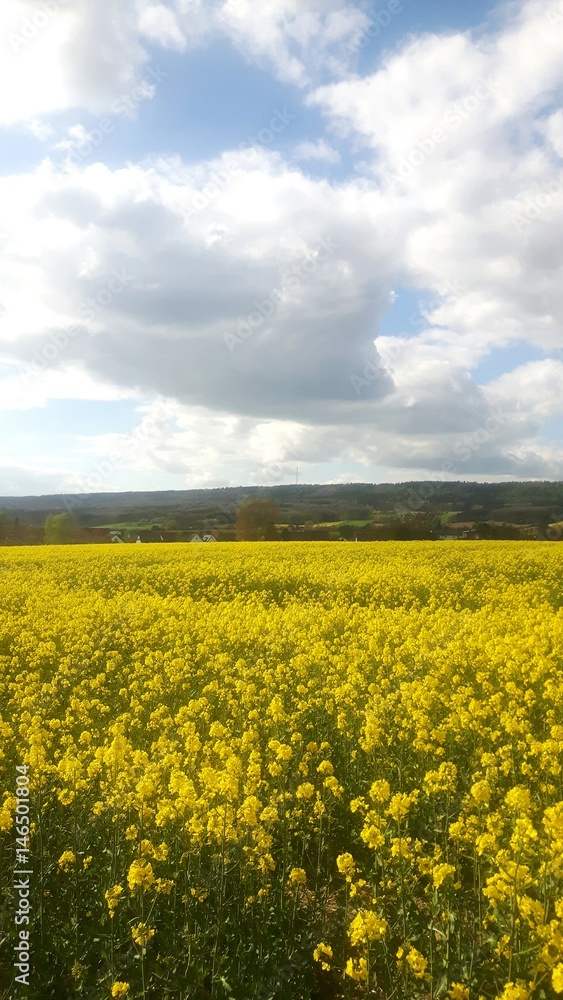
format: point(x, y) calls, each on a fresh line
point(3, 526)
point(60, 529)
point(256, 520)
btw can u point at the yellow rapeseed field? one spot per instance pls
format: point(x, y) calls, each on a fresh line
point(296, 770)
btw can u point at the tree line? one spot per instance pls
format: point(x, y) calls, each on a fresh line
point(261, 519)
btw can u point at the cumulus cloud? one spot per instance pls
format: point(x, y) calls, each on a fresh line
point(464, 146)
point(19, 481)
point(300, 42)
point(258, 301)
point(32, 389)
point(93, 56)
point(84, 54)
point(250, 296)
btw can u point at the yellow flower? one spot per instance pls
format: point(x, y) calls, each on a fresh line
point(442, 780)
point(321, 953)
point(440, 873)
point(297, 875)
point(249, 810)
point(514, 991)
point(367, 926)
point(481, 791)
point(372, 836)
point(333, 786)
point(140, 875)
point(358, 804)
point(78, 971)
point(356, 886)
point(67, 861)
point(458, 992)
point(357, 968)
point(199, 894)
point(304, 791)
point(112, 898)
point(346, 866)
point(380, 791)
point(154, 720)
point(557, 977)
point(6, 821)
point(164, 885)
point(120, 989)
point(142, 934)
point(400, 805)
point(266, 863)
point(269, 814)
point(160, 853)
point(417, 963)
point(518, 799)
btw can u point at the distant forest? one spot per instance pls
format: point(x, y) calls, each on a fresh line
point(349, 510)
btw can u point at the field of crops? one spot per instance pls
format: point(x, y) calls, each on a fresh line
point(283, 770)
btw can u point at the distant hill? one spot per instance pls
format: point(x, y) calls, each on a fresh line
point(515, 502)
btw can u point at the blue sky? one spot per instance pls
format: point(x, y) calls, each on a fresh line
point(234, 239)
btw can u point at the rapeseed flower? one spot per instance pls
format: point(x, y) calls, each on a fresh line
point(203, 719)
point(323, 953)
point(120, 989)
point(142, 934)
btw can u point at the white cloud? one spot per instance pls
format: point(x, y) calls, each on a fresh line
point(30, 390)
point(56, 55)
point(536, 388)
point(200, 447)
point(319, 150)
point(159, 24)
point(553, 131)
point(464, 172)
point(236, 311)
point(299, 42)
point(262, 301)
point(20, 481)
point(40, 129)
